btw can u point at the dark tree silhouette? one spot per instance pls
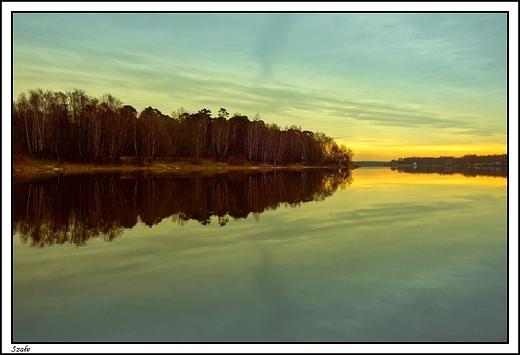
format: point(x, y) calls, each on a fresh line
point(75, 127)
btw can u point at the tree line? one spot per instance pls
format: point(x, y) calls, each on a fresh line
point(74, 209)
point(491, 160)
point(72, 126)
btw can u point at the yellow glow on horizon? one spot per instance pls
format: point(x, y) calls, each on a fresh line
point(386, 152)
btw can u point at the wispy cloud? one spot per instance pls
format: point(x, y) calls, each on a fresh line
point(271, 41)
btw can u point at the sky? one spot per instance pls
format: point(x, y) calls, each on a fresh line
point(387, 85)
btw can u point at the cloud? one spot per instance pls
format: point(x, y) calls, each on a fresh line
point(271, 42)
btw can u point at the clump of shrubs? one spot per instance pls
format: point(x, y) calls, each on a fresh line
point(236, 160)
point(138, 160)
point(196, 161)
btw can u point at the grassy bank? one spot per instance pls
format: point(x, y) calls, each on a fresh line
point(27, 168)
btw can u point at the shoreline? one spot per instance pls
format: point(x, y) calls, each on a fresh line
point(29, 168)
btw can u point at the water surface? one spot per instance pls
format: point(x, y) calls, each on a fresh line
point(382, 256)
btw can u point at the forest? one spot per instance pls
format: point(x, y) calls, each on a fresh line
point(75, 127)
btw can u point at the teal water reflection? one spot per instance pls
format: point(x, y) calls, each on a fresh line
point(392, 257)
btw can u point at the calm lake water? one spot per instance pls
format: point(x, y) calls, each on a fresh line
point(375, 256)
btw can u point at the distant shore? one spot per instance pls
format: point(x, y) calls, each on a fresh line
point(27, 168)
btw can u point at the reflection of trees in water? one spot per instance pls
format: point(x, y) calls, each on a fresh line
point(449, 170)
point(61, 210)
point(74, 209)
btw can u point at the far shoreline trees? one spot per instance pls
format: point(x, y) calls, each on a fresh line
point(75, 127)
point(473, 160)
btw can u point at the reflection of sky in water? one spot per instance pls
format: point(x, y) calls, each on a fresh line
point(394, 257)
